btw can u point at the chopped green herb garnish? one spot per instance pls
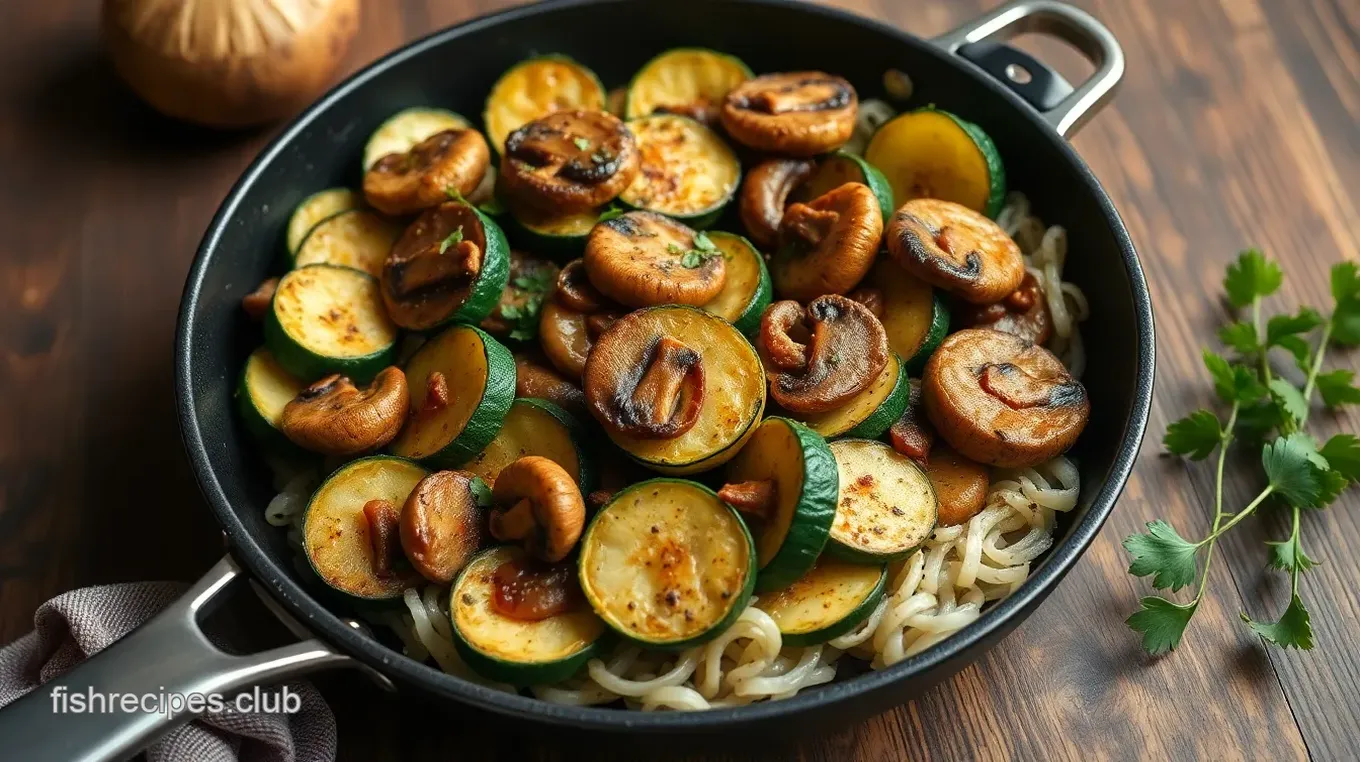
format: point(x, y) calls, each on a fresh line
point(674, 248)
point(581, 143)
point(453, 239)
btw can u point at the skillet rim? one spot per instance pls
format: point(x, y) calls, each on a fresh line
point(936, 663)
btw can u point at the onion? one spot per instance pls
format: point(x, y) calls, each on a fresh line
point(228, 63)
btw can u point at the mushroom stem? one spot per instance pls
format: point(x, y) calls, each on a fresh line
point(1016, 388)
point(257, 302)
point(383, 524)
point(515, 523)
point(666, 401)
point(754, 498)
point(436, 393)
point(809, 224)
point(781, 350)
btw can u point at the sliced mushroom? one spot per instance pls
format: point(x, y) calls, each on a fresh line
point(257, 302)
point(641, 259)
point(827, 245)
point(871, 298)
point(539, 504)
point(960, 485)
point(441, 523)
point(796, 114)
point(532, 279)
point(383, 521)
point(575, 291)
point(911, 434)
point(529, 590)
point(659, 397)
point(333, 417)
point(533, 378)
point(1002, 400)
point(765, 193)
point(569, 161)
point(565, 338)
point(452, 161)
point(1024, 312)
point(846, 350)
point(955, 248)
point(755, 499)
point(431, 268)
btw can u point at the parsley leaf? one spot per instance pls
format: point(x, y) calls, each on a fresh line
point(539, 281)
point(1162, 553)
point(1294, 468)
point(524, 317)
point(1336, 388)
point(1343, 456)
point(1250, 277)
point(453, 239)
point(1305, 320)
point(1240, 336)
point(1290, 399)
point(1257, 420)
point(1346, 322)
point(481, 493)
point(1293, 630)
point(703, 243)
point(1234, 383)
point(1345, 281)
point(1161, 622)
point(674, 248)
point(612, 212)
point(581, 143)
point(1296, 346)
point(1195, 435)
point(1289, 556)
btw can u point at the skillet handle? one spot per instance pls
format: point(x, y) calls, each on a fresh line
point(168, 655)
point(1062, 106)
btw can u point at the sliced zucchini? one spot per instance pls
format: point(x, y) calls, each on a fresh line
point(844, 167)
point(827, 602)
point(408, 127)
point(538, 427)
point(479, 375)
point(734, 384)
point(798, 461)
point(423, 285)
point(329, 319)
point(667, 564)
point(933, 154)
point(688, 81)
point(746, 290)
point(265, 389)
point(868, 414)
point(914, 315)
point(517, 651)
point(688, 172)
point(887, 507)
point(316, 208)
point(535, 88)
point(561, 237)
point(355, 238)
point(335, 532)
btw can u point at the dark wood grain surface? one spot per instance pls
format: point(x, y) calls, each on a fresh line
point(1236, 126)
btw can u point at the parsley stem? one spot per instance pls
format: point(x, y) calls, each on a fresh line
point(1261, 340)
point(1242, 514)
point(1219, 515)
point(1294, 570)
point(1316, 366)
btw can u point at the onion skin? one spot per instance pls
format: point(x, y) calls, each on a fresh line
point(228, 78)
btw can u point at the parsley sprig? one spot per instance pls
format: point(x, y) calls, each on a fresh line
point(524, 316)
point(703, 250)
point(1266, 410)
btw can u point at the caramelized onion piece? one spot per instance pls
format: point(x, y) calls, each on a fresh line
point(795, 114)
point(531, 591)
point(756, 498)
point(955, 248)
point(848, 349)
point(765, 193)
point(569, 161)
point(452, 161)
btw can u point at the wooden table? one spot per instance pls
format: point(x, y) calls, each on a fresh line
point(1236, 126)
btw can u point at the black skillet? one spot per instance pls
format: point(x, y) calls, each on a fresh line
point(1024, 106)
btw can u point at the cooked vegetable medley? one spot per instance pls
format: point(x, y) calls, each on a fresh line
point(705, 426)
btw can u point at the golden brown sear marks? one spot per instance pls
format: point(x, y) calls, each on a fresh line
point(569, 161)
point(448, 162)
point(794, 114)
point(955, 248)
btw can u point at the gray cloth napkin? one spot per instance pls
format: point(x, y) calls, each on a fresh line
point(74, 625)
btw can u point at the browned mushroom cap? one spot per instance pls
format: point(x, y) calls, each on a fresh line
point(846, 351)
point(827, 245)
point(953, 247)
point(565, 338)
point(960, 485)
point(430, 270)
point(444, 163)
point(765, 193)
point(911, 434)
point(333, 417)
point(441, 523)
point(533, 378)
point(1024, 312)
point(539, 504)
point(576, 292)
point(569, 161)
point(532, 279)
point(656, 396)
point(796, 114)
point(1002, 400)
point(642, 258)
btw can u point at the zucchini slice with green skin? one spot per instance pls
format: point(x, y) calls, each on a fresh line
point(538, 427)
point(535, 88)
point(871, 412)
point(688, 81)
point(734, 381)
point(356, 238)
point(688, 172)
point(516, 651)
point(933, 154)
point(827, 602)
point(887, 506)
point(915, 317)
point(408, 127)
point(330, 319)
point(335, 533)
point(416, 279)
point(843, 167)
point(479, 374)
point(747, 289)
point(806, 485)
point(316, 208)
point(264, 390)
point(562, 238)
point(667, 565)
